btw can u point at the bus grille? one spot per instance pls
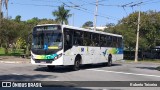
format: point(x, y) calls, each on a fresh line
point(43, 61)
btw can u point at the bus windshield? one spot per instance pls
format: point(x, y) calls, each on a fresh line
point(47, 40)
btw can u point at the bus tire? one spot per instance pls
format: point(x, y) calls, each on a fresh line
point(50, 67)
point(110, 60)
point(77, 63)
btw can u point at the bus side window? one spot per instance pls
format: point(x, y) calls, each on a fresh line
point(109, 41)
point(115, 42)
point(78, 38)
point(67, 39)
point(87, 39)
point(102, 40)
point(95, 39)
point(120, 42)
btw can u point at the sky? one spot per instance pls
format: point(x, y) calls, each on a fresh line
point(109, 11)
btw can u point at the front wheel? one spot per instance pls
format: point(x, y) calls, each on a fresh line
point(76, 65)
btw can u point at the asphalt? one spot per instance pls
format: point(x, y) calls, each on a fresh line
point(18, 59)
point(17, 68)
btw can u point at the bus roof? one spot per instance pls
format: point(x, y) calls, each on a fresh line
point(88, 30)
point(82, 29)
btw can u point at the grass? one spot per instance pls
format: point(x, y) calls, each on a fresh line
point(1, 50)
point(16, 52)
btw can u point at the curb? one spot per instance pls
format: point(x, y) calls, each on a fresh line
point(132, 62)
point(18, 62)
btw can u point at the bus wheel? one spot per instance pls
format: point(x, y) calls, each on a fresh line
point(110, 60)
point(50, 67)
point(76, 65)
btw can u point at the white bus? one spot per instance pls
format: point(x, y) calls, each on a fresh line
point(66, 45)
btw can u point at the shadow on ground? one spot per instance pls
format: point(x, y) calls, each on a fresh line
point(63, 69)
point(25, 77)
point(149, 68)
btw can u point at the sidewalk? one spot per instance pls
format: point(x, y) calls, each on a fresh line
point(139, 62)
point(13, 59)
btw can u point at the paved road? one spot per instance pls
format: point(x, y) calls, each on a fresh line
point(118, 72)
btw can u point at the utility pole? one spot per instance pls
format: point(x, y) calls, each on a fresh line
point(7, 7)
point(137, 41)
point(73, 20)
point(95, 16)
point(0, 12)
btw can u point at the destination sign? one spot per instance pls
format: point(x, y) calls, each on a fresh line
point(45, 28)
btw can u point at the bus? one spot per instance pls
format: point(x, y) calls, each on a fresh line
point(54, 44)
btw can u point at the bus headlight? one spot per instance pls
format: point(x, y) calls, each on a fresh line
point(58, 56)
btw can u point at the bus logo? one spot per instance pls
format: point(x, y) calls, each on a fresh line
point(82, 49)
point(6, 84)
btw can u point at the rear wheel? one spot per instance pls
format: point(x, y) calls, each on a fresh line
point(109, 61)
point(76, 65)
point(50, 67)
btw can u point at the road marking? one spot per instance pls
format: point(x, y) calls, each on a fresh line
point(55, 80)
point(16, 74)
point(124, 73)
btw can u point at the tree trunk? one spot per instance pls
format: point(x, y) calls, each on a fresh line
point(27, 51)
point(6, 48)
point(0, 12)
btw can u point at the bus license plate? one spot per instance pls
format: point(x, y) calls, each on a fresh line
point(43, 62)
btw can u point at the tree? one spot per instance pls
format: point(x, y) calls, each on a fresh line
point(5, 3)
point(62, 15)
point(8, 33)
point(149, 29)
point(33, 21)
point(18, 18)
point(87, 24)
point(47, 21)
point(110, 25)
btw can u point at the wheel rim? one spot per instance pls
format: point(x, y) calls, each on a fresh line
point(110, 62)
point(77, 65)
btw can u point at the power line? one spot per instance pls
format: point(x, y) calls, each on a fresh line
point(150, 2)
point(39, 5)
point(50, 1)
point(80, 8)
point(34, 4)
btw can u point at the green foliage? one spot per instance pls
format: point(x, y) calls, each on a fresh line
point(47, 21)
point(32, 22)
point(18, 18)
point(21, 43)
point(61, 15)
point(87, 24)
point(17, 52)
point(149, 30)
point(14, 32)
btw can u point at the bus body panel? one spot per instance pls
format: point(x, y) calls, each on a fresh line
point(42, 60)
point(91, 55)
